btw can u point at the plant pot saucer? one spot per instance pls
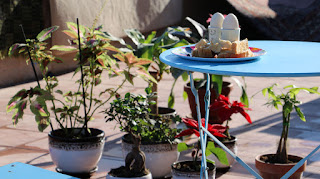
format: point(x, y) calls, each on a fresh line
point(79, 175)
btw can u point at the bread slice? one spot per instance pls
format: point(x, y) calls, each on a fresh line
point(222, 49)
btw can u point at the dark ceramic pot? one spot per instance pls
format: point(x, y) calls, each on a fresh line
point(167, 114)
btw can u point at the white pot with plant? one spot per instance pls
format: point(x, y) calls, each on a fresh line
point(75, 148)
point(157, 138)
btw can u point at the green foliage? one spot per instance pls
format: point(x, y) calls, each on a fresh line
point(210, 149)
point(288, 101)
point(132, 114)
point(95, 59)
point(152, 46)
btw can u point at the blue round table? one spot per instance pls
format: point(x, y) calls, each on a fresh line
point(283, 59)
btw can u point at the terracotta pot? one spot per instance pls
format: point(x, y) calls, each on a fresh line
point(179, 174)
point(213, 118)
point(230, 144)
point(76, 157)
point(149, 176)
point(159, 156)
point(275, 171)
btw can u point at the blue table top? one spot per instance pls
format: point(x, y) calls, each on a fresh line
point(283, 59)
point(19, 170)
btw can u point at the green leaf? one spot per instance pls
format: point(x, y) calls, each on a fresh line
point(185, 76)
point(64, 48)
point(150, 37)
point(244, 98)
point(114, 38)
point(14, 47)
point(73, 27)
point(171, 100)
point(218, 152)
point(59, 92)
point(176, 73)
point(300, 113)
point(46, 33)
point(182, 147)
point(135, 35)
point(185, 95)
point(210, 161)
point(145, 51)
point(43, 122)
point(217, 83)
point(264, 91)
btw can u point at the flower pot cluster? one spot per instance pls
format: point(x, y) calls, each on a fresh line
point(150, 142)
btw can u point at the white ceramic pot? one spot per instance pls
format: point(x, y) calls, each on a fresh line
point(178, 174)
point(231, 145)
point(159, 157)
point(76, 156)
point(149, 176)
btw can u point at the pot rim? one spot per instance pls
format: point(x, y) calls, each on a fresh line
point(279, 164)
point(224, 84)
point(146, 143)
point(172, 111)
point(100, 134)
point(212, 166)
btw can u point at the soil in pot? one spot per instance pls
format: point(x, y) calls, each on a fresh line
point(187, 169)
point(271, 170)
point(213, 118)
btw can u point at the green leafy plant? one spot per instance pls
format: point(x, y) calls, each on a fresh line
point(132, 114)
point(216, 130)
point(66, 106)
point(151, 47)
point(288, 101)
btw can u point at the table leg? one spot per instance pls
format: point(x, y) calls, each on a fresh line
point(204, 132)
point(202, 139)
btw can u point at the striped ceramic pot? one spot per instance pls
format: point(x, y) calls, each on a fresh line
point(76, 156)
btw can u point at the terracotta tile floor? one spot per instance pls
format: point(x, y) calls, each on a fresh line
point(24, 143)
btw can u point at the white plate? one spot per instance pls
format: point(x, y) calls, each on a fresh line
point(185, 52)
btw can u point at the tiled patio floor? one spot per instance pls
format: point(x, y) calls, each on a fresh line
point(24, 143)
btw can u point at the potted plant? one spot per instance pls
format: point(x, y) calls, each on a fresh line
point(75, 148)
point(224, 109)
point(151, 47)
point(157, 138)
point(134, 162)
point(191, 169)
point(276, 165)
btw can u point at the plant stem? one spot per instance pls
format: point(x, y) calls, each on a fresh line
point(108, 98)
point(83, 91)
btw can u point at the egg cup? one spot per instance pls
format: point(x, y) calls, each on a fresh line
point(231, 35)
point(214, 34)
